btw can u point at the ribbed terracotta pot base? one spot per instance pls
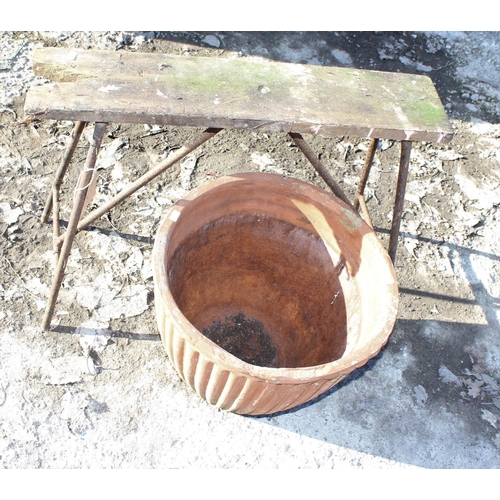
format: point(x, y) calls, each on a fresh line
point(269, 291)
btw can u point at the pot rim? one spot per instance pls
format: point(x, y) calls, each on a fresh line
point(346, 364)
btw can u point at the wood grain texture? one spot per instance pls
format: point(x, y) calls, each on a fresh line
point(242, 93)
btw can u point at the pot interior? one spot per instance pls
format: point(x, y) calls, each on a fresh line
point(261, 287)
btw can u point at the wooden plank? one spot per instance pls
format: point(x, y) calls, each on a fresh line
point(244, 93)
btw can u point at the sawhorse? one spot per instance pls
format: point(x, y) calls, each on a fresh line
point(104, 87)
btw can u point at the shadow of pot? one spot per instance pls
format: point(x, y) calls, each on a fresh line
point(269, 291)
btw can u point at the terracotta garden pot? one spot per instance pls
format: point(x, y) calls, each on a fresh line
point(269, 291)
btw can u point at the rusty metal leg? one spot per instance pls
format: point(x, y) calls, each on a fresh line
point(319, 167)
point(56, 228)
point(364, 210)
point(142, 181)
point(78, 204)
point(400, 198)
point(366, 172)
point(63, 167)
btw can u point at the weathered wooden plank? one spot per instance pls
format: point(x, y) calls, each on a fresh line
point(236, 93)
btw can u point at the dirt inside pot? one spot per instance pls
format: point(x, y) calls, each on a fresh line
point(263, 289)
point(244, 337)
